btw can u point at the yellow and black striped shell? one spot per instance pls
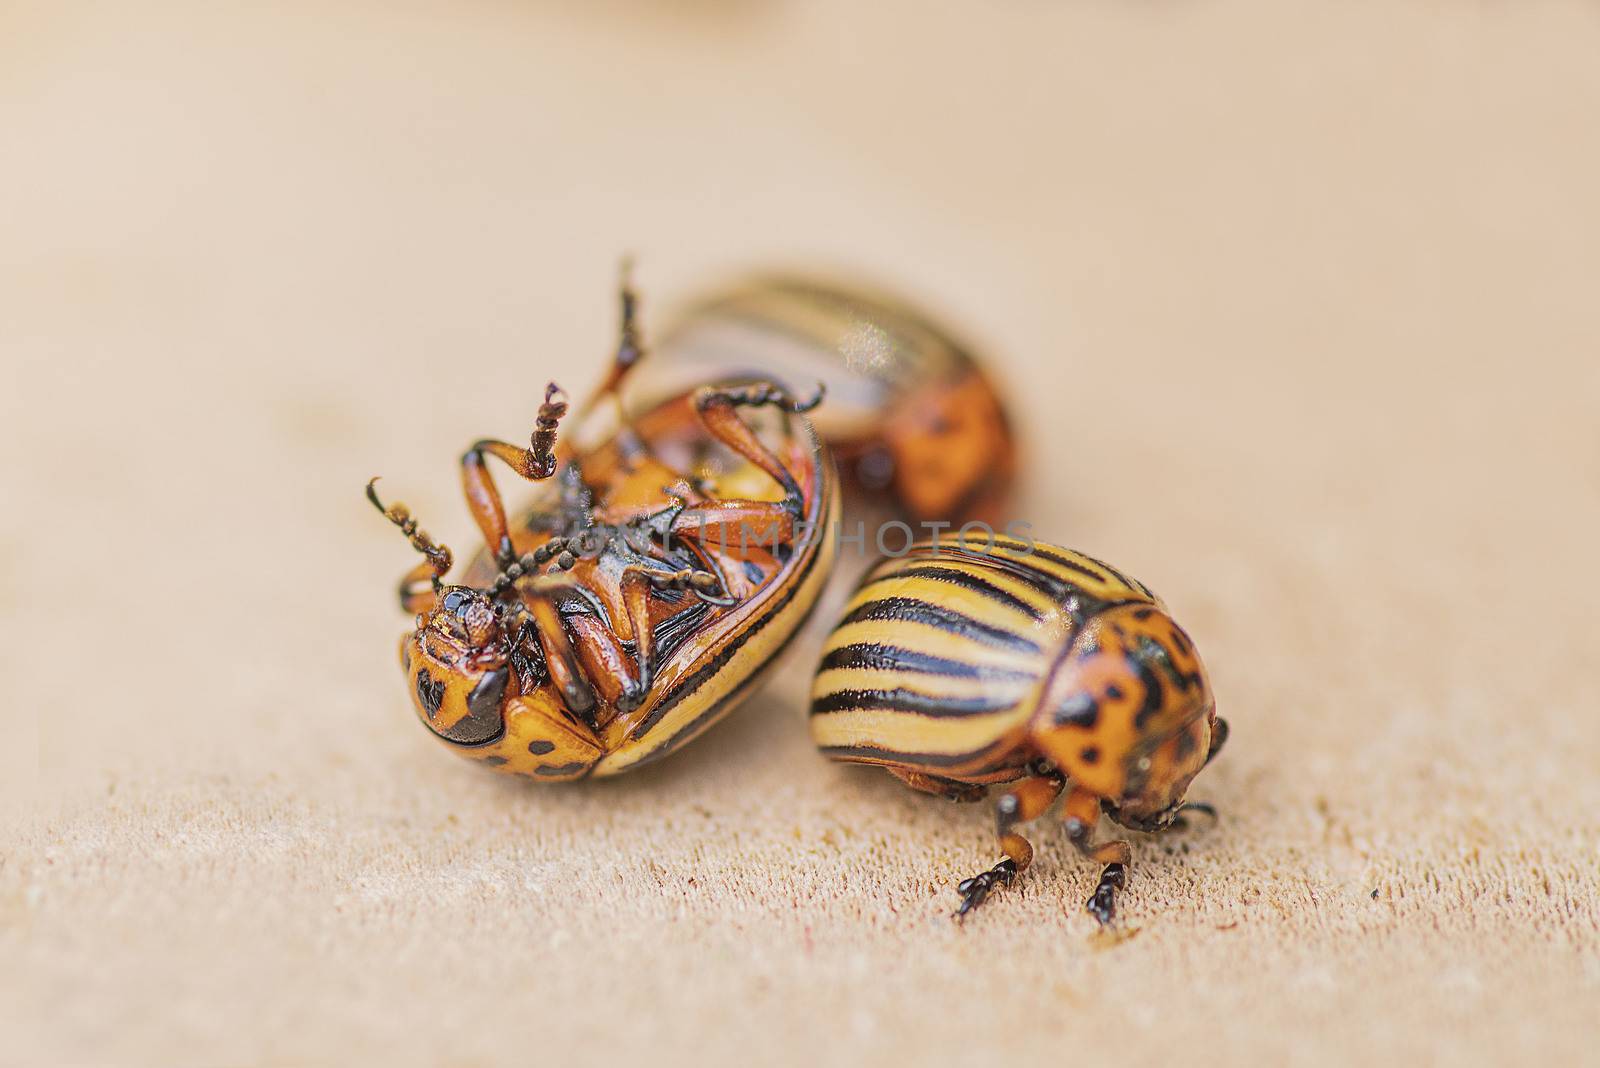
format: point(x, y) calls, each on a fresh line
point(911, 417)
point(976, 664)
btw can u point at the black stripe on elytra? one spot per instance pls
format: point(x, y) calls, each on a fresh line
point(1016, 566)
point(968, 582)
point(915, 610)
point(874, 657)
point(695, 680)
point(999, 551)
point(1131, 583)
point(872, 754)
point(1010, 557)
point(1079, 566)
point(1057, 556)
point(901, 700)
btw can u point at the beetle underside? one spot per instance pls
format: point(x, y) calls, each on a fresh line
point(638, 598)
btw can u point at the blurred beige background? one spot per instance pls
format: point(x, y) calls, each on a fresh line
point(1297, 304)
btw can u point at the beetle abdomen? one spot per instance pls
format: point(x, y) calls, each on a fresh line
point(938, 660)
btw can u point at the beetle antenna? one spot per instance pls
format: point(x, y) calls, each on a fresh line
point(629, 349)
point(439, 557)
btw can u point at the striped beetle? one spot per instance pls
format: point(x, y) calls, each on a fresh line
point(1029, 665)
point(912, 419)
point(640, 597)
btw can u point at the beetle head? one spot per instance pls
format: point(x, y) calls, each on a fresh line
point(457, 661)
point(1128, 714)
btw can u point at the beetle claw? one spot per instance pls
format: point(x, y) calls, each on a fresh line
point(1102, 904)
point(975, 891)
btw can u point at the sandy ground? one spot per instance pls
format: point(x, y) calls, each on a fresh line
point(1296, 304)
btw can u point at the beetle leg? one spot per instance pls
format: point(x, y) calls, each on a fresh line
point(636, 584)
point(718, 408)
point(1025, 801)
point(414, 596)
point(535, 463)
point(605, 663)
point(698, 581)
point(417, 589)
point(741, 525)
point(1081, 813)
point(538, 596)
point(629, 349)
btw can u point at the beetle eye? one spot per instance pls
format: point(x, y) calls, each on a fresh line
point(466, 616)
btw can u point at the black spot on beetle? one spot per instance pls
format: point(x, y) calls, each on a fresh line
point(482, 721)
point(484, 700)
point(1186, 745)
point(430, 693)
point(1142, 614)
point(1090, 754)
point(1152, 701)
point(494, 761)
point(1115, 692)
point(539, 747)
point(1079, 710)
point(559, 769)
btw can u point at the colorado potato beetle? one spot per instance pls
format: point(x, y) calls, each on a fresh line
point(637, 601)
point(957, 668)
point(912, 419)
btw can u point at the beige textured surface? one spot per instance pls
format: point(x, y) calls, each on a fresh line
point(1299, 304)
